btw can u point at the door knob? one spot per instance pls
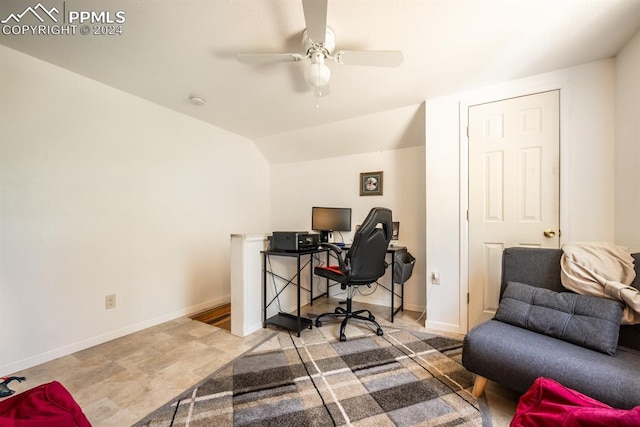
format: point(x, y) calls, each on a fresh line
point(549, 233)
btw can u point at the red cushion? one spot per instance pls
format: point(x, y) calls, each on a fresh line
point(46, 405)
point(332, 268)
point(548, 404)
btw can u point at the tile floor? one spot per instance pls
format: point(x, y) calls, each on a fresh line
point(119, 382)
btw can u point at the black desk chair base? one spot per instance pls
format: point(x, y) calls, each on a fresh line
point(348, 313)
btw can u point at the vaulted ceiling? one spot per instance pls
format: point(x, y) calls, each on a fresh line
point(171, 50)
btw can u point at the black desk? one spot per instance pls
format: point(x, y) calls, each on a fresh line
point(285, 320)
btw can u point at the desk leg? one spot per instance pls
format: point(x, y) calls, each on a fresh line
point(264, 290)
point(402, 297)
point(393, 290)
point(298, 316)
point(327, 264)
point(311, 279)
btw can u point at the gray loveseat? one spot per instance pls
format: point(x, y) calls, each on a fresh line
point(515, 356)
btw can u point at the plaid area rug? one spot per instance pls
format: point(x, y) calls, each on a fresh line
point(402, 378)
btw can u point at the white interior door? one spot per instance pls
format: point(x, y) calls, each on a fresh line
point(514, 188)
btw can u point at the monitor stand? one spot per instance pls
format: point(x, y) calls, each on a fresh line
point(326, 237)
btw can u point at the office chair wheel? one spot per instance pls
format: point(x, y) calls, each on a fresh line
point(318, 323)
point(343, 337)
point(380, 332)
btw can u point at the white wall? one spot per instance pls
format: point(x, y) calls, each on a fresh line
point(383, 131)
point(628, 145)
point(104, 193)
point(587, 174)
point(296, 187)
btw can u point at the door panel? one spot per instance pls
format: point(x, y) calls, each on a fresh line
point(514, 158)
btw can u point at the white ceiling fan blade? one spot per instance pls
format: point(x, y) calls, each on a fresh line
point(315, 16)
point(268, 58)
point(375, 58)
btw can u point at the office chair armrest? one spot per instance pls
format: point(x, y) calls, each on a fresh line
point(337, 250)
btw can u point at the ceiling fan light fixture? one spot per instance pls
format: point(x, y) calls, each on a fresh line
point(317, 75)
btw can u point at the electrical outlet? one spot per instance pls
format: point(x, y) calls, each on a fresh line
point(435, 278)
point(110, 301)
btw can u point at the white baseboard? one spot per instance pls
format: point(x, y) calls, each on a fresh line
point(444, 327)
point(414, 307)
point(47, 356)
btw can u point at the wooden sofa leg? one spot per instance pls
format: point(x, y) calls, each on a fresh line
point(478, 386)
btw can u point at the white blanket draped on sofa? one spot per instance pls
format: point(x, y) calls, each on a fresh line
point(604, 270)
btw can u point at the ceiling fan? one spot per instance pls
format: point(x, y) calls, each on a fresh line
point(318, 43)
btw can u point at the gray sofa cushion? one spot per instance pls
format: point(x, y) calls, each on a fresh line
point(588, 321)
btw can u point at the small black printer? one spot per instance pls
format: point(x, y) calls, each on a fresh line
point(294, 241)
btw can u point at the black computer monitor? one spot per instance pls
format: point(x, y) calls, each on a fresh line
point(326, 220)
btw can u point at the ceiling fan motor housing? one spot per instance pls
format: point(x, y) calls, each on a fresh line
point(309, 46)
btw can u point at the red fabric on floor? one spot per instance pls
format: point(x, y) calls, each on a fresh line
point(46, 405)
point(548, 403)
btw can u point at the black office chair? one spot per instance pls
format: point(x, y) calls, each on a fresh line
point(363, 264)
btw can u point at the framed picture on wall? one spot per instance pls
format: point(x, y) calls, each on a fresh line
point(371, 183)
